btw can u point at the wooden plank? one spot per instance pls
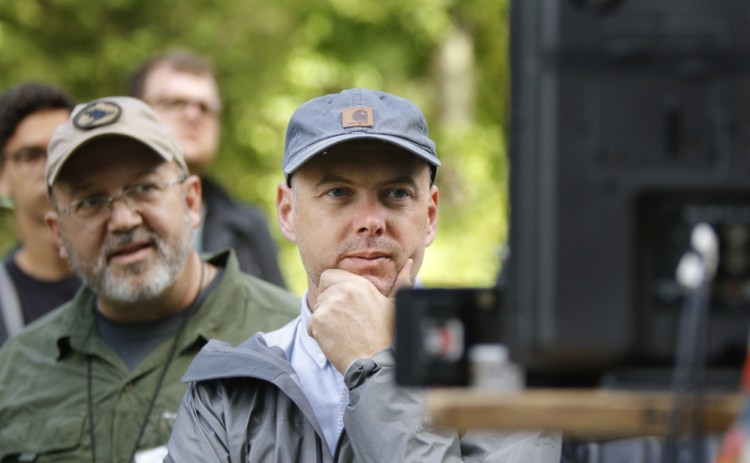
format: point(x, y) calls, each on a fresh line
point(577, 413)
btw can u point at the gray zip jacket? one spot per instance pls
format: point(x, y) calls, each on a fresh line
point(244, 404)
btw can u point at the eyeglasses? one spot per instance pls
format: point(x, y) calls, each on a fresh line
point(175, 105)
point(135, 197)
point(29, 161)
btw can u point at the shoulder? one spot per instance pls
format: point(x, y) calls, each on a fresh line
point(241, 304)
point(251, 359)
point(42, 334)
point(269, 295)
point(34, 364)
point(261, 293)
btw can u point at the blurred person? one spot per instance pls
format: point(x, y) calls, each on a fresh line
point(360, 202)
point(34, 279)
point(99, 378)
point(182, 89)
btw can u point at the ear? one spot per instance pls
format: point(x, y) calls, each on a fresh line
point(194, 199)
point(51, 218)
point(432, 216)
point(285, 211)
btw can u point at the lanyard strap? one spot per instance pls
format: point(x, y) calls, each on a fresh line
point(10, 307)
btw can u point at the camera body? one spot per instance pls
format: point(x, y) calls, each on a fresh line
point(435, 330)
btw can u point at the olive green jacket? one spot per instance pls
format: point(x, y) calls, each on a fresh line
point(44, 379)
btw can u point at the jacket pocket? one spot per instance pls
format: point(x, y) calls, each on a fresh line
point(47, 439)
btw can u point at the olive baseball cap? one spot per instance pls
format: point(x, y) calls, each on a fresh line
point(111, 116)
point(356, 114)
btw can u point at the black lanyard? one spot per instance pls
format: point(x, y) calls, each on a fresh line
point(170, 357)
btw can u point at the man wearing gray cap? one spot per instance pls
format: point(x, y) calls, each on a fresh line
point(359, 201)
point(99, 379)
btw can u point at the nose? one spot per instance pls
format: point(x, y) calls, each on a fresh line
point(123, 216)
point(371, 219)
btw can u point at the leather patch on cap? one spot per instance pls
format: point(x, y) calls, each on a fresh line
point(356, 117)
point(97, 114)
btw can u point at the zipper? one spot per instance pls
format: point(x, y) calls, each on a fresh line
point(339, 442)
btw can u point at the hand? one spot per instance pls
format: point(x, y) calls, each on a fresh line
point(352, 319)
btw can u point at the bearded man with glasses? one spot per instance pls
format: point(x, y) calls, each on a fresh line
point(34, 279)
point(99, 379)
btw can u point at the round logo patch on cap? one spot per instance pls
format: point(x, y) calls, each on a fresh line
point(97, 114)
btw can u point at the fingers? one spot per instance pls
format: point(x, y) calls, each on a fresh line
point(310, 324)
point(351, 318)
point(334, 276)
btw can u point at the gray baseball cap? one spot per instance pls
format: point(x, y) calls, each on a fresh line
point(356, 114)
point(111, 116)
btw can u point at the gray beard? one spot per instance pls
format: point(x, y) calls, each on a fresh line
point(136, 283)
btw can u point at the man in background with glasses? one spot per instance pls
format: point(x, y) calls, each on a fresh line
point(34, 279)
point(182, 89)
point(99, 378)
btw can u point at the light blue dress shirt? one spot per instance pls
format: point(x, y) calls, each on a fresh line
point(322, 384)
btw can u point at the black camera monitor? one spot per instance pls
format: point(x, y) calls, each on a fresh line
point(630, 124)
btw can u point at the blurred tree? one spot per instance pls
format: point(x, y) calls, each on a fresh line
point(448, 56)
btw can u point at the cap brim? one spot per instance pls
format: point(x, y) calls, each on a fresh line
point(52, 176)
point(308, 153)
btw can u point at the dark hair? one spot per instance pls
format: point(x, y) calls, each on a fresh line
point(179, 60)
point(18, 102)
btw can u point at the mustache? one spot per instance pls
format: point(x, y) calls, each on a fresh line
point(119, 240)
point(379, 244)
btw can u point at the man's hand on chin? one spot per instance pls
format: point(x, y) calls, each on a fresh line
point(352, 319)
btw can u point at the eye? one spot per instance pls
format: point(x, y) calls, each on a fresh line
point(34, 155)
point(337, 192)
point(30, 155)
point(171, 103)
point(92, 203)
point(143, 190)
point(399, 193)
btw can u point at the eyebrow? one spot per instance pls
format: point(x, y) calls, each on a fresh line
point(328, 178)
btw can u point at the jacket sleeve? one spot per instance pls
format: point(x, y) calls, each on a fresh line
point(385, 422)
point(198, 432)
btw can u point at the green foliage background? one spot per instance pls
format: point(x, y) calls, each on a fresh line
point(448, 56)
